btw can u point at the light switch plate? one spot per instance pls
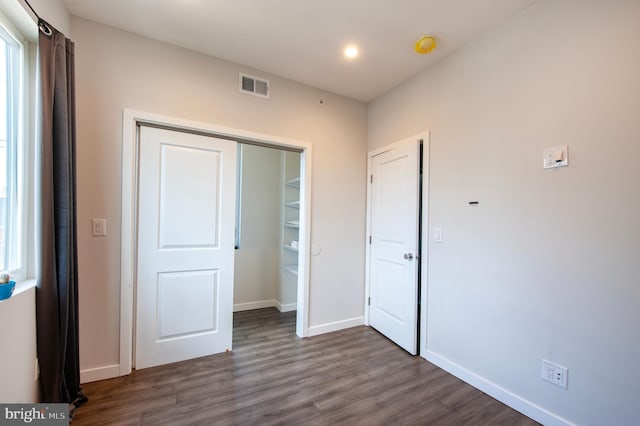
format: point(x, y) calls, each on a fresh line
point(555, 157)
point(437, 234)
point(99, 227)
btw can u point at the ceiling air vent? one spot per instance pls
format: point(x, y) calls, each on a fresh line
point(254, 86)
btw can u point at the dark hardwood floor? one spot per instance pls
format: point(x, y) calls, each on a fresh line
point(350, 377)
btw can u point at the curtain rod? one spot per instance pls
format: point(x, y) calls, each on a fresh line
point(42, 24)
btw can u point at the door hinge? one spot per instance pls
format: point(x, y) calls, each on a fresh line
point(371, 178)
point(369, 239)
point(369, 301)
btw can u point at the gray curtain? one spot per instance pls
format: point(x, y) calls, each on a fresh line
point(56, 263)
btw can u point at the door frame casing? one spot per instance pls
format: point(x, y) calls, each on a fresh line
point(131, 120)
point(424, 238)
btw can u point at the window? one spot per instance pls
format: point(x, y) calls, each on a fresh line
point(12, 154)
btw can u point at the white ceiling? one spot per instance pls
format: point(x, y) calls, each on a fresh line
point(303, 39)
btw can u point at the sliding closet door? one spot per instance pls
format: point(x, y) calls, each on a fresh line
point(187, 190)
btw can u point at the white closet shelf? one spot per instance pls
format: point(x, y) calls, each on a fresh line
point(291, 224)
point(293, 269)
point(294, 183)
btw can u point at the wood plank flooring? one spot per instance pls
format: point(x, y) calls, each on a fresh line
point(350, 377)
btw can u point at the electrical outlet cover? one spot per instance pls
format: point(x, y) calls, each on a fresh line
point(554, 373)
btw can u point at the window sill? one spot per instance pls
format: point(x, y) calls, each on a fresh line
point(21, 287)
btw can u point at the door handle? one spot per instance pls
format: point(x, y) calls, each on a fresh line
point(408, 256)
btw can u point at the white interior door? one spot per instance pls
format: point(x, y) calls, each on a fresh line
point(186, 220)
point(393, 305)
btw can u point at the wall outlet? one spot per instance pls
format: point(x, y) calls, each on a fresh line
point(554, 373)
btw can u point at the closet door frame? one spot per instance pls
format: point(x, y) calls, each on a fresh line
point(132, 120)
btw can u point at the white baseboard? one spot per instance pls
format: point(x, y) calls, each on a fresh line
point(100, 373)
point(335, 326)
point(238, 307)
point(287, 307)
point(260, 304)
point(503, 395)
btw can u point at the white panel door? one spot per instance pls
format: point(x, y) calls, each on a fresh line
point(393, 276)
point(186, 221)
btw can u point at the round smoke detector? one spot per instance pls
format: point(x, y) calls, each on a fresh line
point(425, 45)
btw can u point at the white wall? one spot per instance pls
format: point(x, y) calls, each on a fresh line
point(257, 260)
point(55, 13)
point(116, 70)
point(18, 354)
point(546, 266)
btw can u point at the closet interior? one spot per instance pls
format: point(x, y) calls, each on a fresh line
point(267, 234)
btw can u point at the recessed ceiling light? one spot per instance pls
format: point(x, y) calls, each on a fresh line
point(351, 52)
